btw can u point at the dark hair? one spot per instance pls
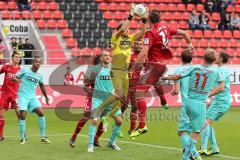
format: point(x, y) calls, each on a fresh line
point(186, 56)
point(96, 60)
point(15, 52)
point(154, 16)
point(26, 39)
point(224, 57)
point(0, 40)
point(209, 55)
point(119, 26)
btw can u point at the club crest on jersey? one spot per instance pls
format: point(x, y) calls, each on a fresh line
point(146, 41)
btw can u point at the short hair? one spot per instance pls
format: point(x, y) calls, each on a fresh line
point(0, 40)
point(154, 16)
point(14, 53)
point(225, 56)
point(119, 26)
point(96, 60)
point(209, 55)
point(186, 56)
point(26, 39)
point(36, 57)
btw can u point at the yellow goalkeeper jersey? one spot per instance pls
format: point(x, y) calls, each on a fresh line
point(121, 51)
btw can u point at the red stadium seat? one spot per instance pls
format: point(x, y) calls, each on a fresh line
point(178, 51)
point(217, 34)
point(108, 15)
point(6, 15)
point(185, 16)
point(236, 34)
point(12, 5)
point(195, 43)
point(26, 14)
point(223, 43)
point(42, 6)
point(183, 44)
point(37, 14)
point(229, 8)
point(190, 7)
point(62, 24)
point(16, 15)
point(41, 24)
point(181, 8)
point(173, 24)
point(177, 16)
point(33, 5)
point(167, 16)
point(75, 52)
point(99, 1)
point(227, 34)
point(52, 24)
point(47, 14)
point(197, 60)
point(176, 60)
point(133, 24)
point(183, 25)
point(236, 61)
point(198, 34)
point(234, 43)
point(212, 24)
point(71, 43)
point(174, 43)
point(112, 24)
point(207, 34)
point(163, 23)
point(199, 52)
point(215, 16)
point(123, 6)
point(53, 6)
point(2, 5)
point(96, 51)
point(214, 43)
point(172, 7)
point(118, 15)
point(112, 7)
point(199, 7)
point(190, 33)
point(237, 8)
point(66, 33)
point(203, 43)
point(57, 15)
point(230, 51)
point(162, 7)
point(152, 6)
point(103, 6)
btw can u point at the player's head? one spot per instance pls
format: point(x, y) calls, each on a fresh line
point(15, 58)
point(137, 46)
point(36, 63)
point(186, 56)
point(96, 60)
point(154, 16)
point(27, 40)
point(210, 56)
point(222, 58)
point(105, 57)
point(20, 40)
point(68, 69)
point(120, 26)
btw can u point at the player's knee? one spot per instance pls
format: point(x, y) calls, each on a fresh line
point(118, 121)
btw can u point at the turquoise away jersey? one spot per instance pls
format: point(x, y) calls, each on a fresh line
point(183, 82)
point(201, 81)
point(224, 76)
point(29, 82)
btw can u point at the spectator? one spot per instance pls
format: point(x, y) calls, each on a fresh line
point(20, 48)
point(68, 79)
point(225, 22)
point(2, 49)
point(222, 5)
point(235, 21)
point(14, 43)
point(28, 54)
point(196, 2)
point(193, 20)
point(24, 5)
point(210, 5)
point(203, 21)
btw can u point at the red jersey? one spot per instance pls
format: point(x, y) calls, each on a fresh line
point(68, 78)
point(134, 77)
point(157, 39)
point(8, 85)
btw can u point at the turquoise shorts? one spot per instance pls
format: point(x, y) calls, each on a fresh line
point(183, 124)
point(96, 103)
point(196, 111)
point(28, 104)
point(217, 109)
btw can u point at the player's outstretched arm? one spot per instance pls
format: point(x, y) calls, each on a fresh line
point(43, 89)
point(176, 89)
point(15, 79)
point(187, 39)
point(174, 77)
point(140, 59)
point(139, 35)
point(218, 89)
point(87, 89)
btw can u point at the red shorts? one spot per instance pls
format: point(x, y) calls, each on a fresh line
point(88, 104)
point(7, 99)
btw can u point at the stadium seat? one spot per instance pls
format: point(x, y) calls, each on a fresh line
point(71, 42)
point(47, 14)
point(51, 24)
point(108, 15)
point(234, 43)
point(237, 8)
point(229, 8)
point(190, 33)
point(123, 7)
point(195, 43)
point(103, 6)
point(66, 33)
point(11, 5)
point(190, 7)
point(217, 34)
point(41, 24)
point(118, 15)
point(93, 6)
point(199, 52)
point(173, 23)
point(176, 60)
point(162, 7)
point(236, 34)
point(181, 8)
point(183, 25)
point(236, 61)
point(96, 51)
point(214, 43)
point(174, 43)
point(37, 14)
point(198, 34)
point(75, 52)
point(107, 33)
point(81, 42)
point(152, 6)
point(63, 6)
point(199, 7)
point(73, 7)
point(207, 34)
point(26, 14)
point(196, 60)
point(103, 24)
point(92, 43)
point(88, 15)
point(83, 7)
point(223, 43)
point(113, 24)
point(178, 51)
point(215, 16)
point(16, 15)
point(230, 51)
point(212, 24)
point(77, 33)
point(82, 24)
point(183, 44)
point(57, 15)
point(72, 24)
point(6, 15)
point(172, 7)
point(78, 15)
point(42, 6)
point(67, 15)
point(102, 43)
point(97, 33)
point(62, 24)
point(92, 24)
point(203, 43)
point(98, 15)
point(53, 6)
point(133, 24)
point(177, 16)
point(112, 7)
point(167, 16)
point(2, 5)
point(33, 5)
point(87, 33)
point(185, 16)
point(227, 34)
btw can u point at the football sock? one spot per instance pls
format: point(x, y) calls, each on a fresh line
point(189, 149)
point(2, 123)
point(142, 108)
point(213, 138)
point(160, 92)
point(79, 127)
point(99, 132)
point(42, 126)
point(133, 118)
point(92, 130)
point(115, 132)
point(205, 136)
point(22, 125)
point(184, 139)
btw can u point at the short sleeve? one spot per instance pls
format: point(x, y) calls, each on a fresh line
point(187, 72)
point(40, 79)
point(20, 73)
point(172, 31)
point(221, 75)
point(177, 72)
point(3, 69)
point(148, 39)
point(113, 38)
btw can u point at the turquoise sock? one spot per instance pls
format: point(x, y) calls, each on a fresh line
point(92, 130)
point(213, 138)
point(42, 126)
point(195, 153)
point(22, 126)
point(115, 132)
point(189, 148)
point(184, 139)
point(205, 136)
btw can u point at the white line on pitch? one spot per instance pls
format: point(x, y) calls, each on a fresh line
point(127, 142)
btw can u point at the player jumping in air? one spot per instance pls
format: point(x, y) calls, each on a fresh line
point(103, 88)
point(68, 78)
point(201, 81)
point(155, 48)
point(9, 90)
point(29, 78)
point(219, 105)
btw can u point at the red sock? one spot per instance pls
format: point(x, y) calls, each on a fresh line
point(133, 117)
point(79, 127)
point(160, 92)
point(2, 123)
point(99, 132)
point(142, 108)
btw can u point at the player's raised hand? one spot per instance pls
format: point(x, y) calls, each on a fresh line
point(174, 93)
point(191, 48)
point(132, 10)
point(47, 100)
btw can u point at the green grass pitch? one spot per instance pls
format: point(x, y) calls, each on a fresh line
point(161, 142)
